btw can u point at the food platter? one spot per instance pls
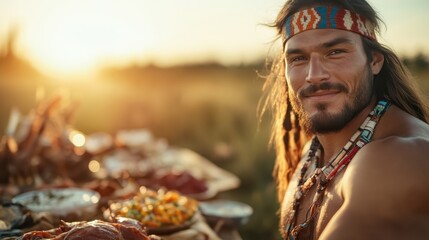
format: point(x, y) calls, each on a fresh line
point(175, 168)
point(67, 203)
point(159, 212)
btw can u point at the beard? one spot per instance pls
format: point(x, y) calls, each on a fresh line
point(326, 122)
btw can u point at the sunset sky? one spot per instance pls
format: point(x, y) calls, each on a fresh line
point(75, 36)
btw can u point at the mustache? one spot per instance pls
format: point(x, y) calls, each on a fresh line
point(313, 88)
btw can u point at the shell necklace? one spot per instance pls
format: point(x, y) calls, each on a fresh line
point(322, 176)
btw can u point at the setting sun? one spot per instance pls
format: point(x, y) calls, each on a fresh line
point(80, 36)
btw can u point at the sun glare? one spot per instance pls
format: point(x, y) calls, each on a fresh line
point(77, 38)
point(66, 60)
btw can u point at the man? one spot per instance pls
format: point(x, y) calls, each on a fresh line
point(363, 173)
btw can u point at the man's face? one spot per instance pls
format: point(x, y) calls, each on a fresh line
point(329, 78)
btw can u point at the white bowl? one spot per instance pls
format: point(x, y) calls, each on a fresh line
point(66, 203)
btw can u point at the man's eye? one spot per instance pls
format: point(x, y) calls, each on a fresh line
point(297, 59)
point(335, 52)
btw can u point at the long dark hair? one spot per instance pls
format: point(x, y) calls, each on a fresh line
point(393, 82)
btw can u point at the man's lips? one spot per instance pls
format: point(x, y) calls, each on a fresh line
point(322, 93)
point(323, 89)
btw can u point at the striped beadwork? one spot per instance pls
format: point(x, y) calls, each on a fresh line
point(323, 17)
point(322, 176)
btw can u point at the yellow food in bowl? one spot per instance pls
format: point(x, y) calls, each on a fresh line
point(155, 209)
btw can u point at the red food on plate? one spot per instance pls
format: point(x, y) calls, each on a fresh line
point(181, 181)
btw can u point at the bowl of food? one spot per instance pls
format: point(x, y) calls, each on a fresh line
point(160, 212)
point(231, 212)
point(65, 203)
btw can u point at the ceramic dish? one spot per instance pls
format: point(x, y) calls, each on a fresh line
point(66, 203)
point(226, 210)
point(160, 212)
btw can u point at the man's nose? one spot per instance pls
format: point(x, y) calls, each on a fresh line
point(316, 70)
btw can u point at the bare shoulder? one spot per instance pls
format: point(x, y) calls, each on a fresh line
point(399, 155)
point(396, 162)
point(386, 189)
point(407, 153)
point(391, 165)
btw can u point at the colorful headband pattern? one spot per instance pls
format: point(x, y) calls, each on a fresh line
point(323, 17)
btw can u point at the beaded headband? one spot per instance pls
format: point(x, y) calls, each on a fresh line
point(323, 17)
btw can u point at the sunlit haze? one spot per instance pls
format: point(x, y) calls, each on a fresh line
point(75, 37)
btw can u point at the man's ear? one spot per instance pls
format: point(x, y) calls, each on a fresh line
point(377, 62)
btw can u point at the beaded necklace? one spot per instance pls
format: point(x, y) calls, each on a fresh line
point(322, 176)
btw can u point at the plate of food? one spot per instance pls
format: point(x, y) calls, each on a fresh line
point(66, 203)
point(179, 180)
point(159, 212)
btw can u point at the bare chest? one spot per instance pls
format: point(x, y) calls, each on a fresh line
point(331, 202)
